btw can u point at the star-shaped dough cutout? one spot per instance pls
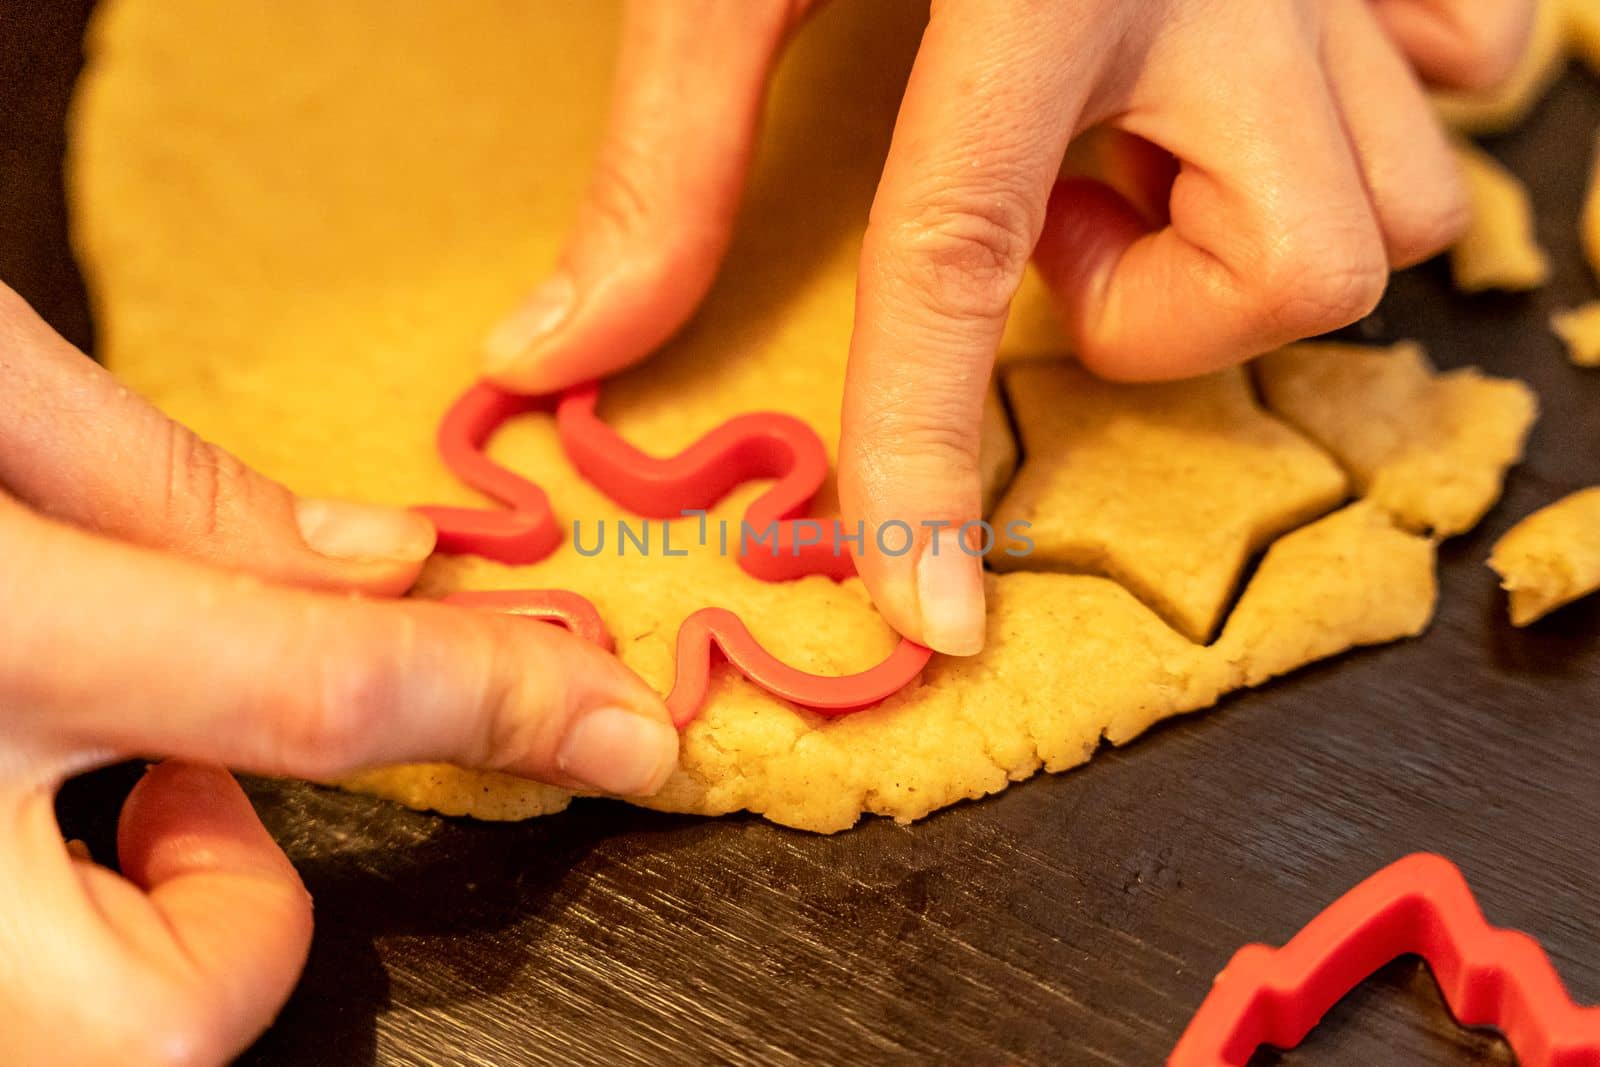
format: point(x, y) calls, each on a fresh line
point(1168, 489)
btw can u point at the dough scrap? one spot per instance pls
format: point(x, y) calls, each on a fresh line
point(1505, 108)
point(1552, 557)
point(1432, 449)
point(294, 217)
point(1499, 249)
point(1168, 489)
point(1579, 329)
point(1583, 31)
point(1589, 220)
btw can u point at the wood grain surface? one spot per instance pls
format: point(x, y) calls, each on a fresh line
point(1075, 919)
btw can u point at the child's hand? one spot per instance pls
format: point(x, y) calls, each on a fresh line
point(1286, 157)
point(130, 625)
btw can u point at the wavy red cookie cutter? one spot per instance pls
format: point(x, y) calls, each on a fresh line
point(1418, 905)
point(763, 445)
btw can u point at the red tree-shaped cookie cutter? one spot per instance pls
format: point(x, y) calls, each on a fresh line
point(1418, 905)
point(765, 445)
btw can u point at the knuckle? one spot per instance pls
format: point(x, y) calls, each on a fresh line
point(666, 236)
point(201, 480)
point(327, 727)
point(964, 259)
point(1321, 280)
point(1491, 51)
point(514, 722)
point(617, 198)
point(1433, 227)
point(931, 443)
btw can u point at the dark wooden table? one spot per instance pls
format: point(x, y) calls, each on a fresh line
point(1075, 919)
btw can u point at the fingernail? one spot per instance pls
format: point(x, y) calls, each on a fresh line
point(78, 850)
point(950, 593)
point(616, 751)
point(545, 309)
point(345, 530)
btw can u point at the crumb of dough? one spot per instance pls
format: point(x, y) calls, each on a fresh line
point(1579, 328)
point(1589, 220)
point(1432, 449)
point(1480, 114)
point(1551, 558)
point(1499, 249)
point(297, 235)
point(1167, 488)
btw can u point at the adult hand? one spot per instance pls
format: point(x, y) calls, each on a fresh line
point(159, 598)
point(1282, 158)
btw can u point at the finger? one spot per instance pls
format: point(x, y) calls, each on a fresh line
point(225, 907)
point(1142, 173)
point(96, 971)
point(76, 444)
point(108, 647)
point(989, 108)
point(1272, 237)
point(1411, 174)
point(1471, 45)
point(660, 207)
point(67, 994)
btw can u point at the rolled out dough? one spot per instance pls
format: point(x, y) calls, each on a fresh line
point(299, 219)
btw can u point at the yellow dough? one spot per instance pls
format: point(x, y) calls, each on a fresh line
point(299, 218)
point(1589, 222)
point(1499, 249)
point(1169, 489)
point(1583, 31)
point(1071, 660)
point(1579, 329)
point(1431, 449)
point(1480, 114)
point(1552, 557)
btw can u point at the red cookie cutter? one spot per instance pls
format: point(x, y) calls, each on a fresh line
point(1418, 905)
point(749, 447)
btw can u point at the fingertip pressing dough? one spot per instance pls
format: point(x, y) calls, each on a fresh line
point(1504, 108)
point(1551, 558)
point(1499, 249)
point(1168, 488)
point(298, 220)
point(1432, 449)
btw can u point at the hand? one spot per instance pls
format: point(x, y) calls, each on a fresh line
point(1282, 158)
point(127, 627)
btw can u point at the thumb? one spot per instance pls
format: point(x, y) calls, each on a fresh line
point(236, 913)
point(183, 958)
point(77, 445)
point(657, 217)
